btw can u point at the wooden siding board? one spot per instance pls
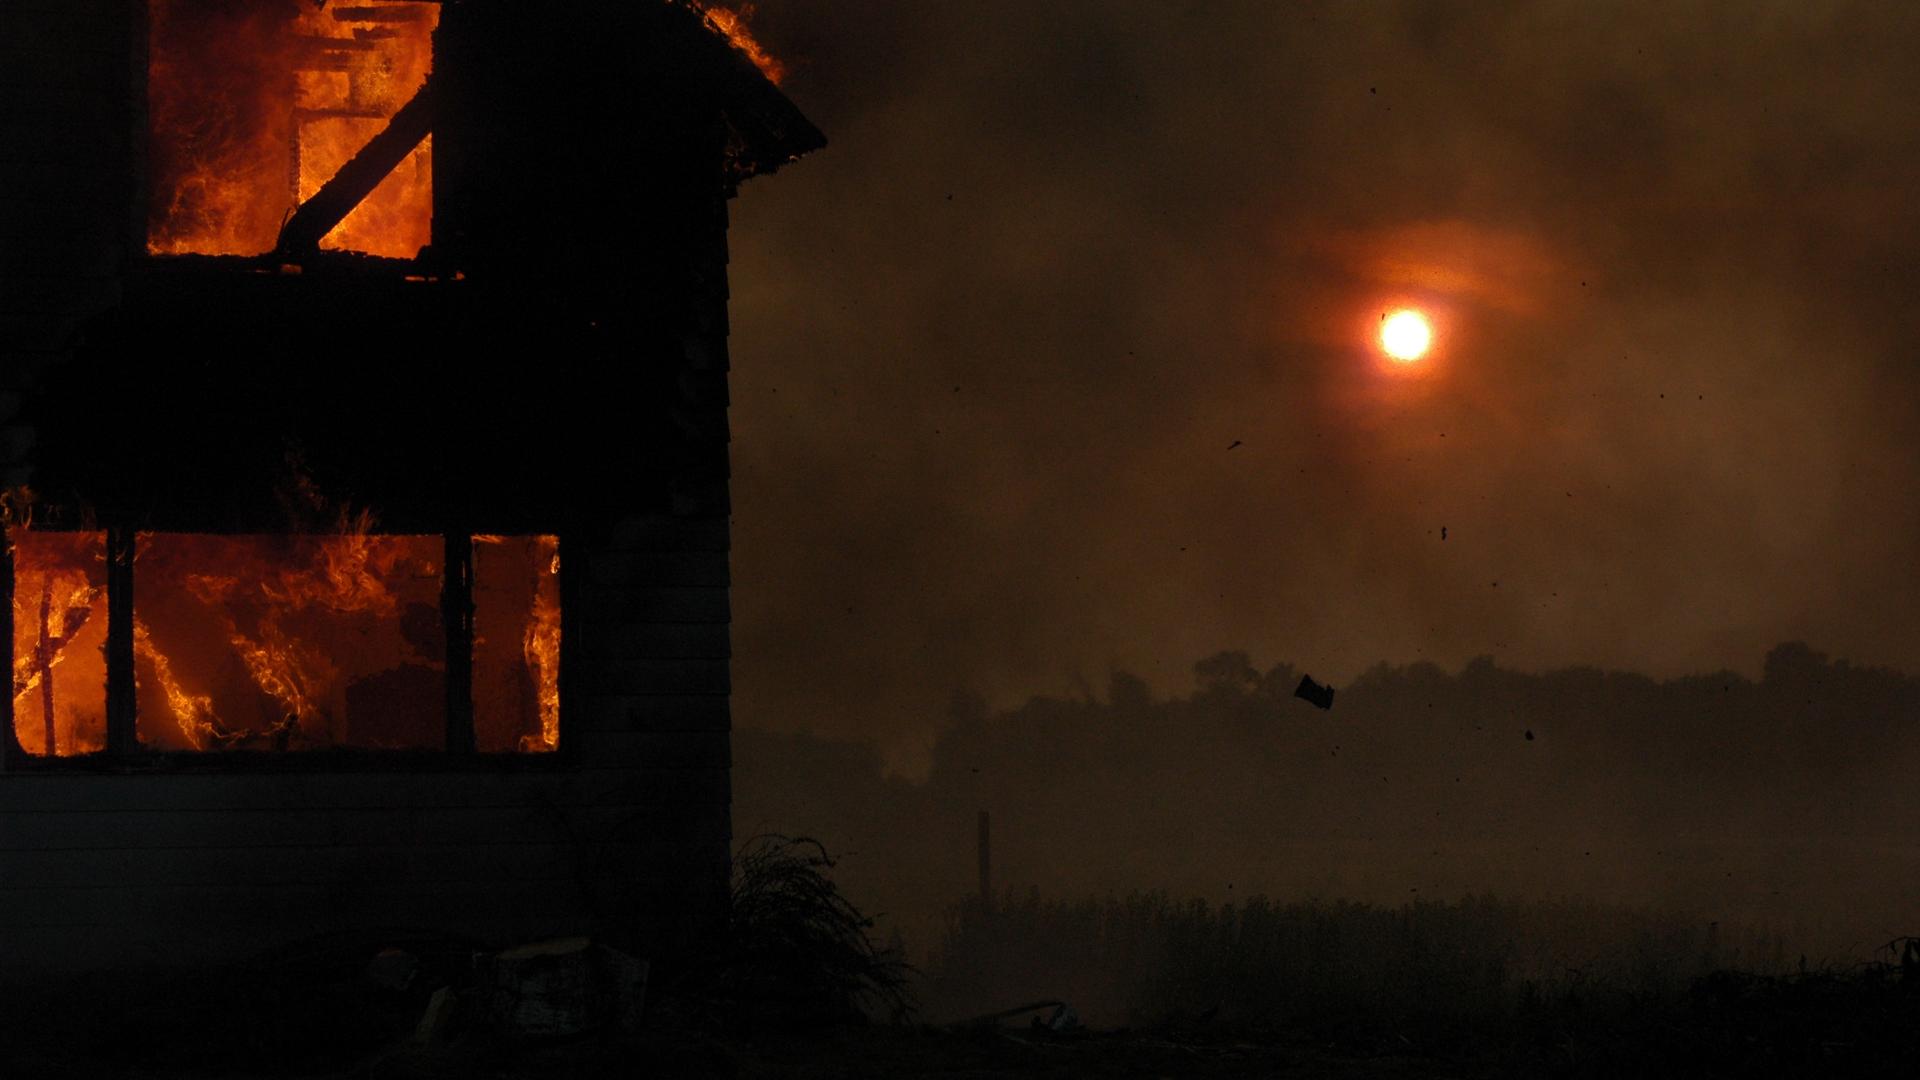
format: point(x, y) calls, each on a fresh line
point(698, 640)
point(156, 925)
point(66, 16)
point(702, 495)
point(622, 604)
point(422, 827)
point(702, 421)
point(134, 912)
point(656, 712)
point(62, 296)
point(35, 793)
point(42, 178)
point(90, 167)
point(38, 62)
point(675, 568)
point(659, 532)
point(704, 387)
point(618, 673)
point(63, 227)
point(654, 749)
point(315, 867)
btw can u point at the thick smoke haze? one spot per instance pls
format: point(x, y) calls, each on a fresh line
point(992, 347)
point(1778, 803)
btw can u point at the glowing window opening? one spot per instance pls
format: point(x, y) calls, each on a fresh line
point(283, 643)
point(252, 107)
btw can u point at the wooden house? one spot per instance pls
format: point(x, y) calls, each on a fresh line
point(363, 366)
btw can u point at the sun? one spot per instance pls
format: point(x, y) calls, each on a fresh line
point(1405, 335)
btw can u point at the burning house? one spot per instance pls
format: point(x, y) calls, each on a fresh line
point(365, 457)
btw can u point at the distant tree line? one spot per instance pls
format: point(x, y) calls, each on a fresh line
point(1238, 782)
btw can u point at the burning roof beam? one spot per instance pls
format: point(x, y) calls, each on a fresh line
point(318, 216)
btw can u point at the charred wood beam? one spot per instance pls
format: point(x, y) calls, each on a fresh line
point(43, 653)
point(57, 629)
point(336, 198)
point(121, 738)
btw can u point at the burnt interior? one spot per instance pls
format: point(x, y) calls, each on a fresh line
point(253, 106)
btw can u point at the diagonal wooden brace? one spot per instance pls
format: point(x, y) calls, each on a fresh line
point(356, 179)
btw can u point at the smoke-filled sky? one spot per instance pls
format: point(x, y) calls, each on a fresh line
point(993, 348)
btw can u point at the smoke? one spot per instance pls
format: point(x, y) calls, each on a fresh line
point(1779, 801)
point(991, 347)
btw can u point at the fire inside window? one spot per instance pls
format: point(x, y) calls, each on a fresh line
point(254, 106)
point(285, 642)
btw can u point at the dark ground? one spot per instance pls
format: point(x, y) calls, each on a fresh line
point(890, 1052)
point(1861, 1022)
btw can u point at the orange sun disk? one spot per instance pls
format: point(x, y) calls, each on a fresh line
point(1405, 335)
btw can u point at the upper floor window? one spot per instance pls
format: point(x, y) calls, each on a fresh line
point(255, 105)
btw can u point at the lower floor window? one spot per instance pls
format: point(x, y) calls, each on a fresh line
point(59, 642)
point(289, 642)
point(516, 643)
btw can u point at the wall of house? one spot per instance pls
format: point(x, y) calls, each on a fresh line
point(66, 170)
point(626, 834)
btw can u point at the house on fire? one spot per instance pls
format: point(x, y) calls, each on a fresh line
point(365, 460)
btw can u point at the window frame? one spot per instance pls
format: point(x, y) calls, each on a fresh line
point(422, 265)
point(125, 753)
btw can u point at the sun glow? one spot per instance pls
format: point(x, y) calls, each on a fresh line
point(1405, 335)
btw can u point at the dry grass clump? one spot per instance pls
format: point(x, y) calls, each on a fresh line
point(796, 951)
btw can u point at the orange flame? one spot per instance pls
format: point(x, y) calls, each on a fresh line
point(282, 642)
point(303, 620)
point(732, 25)
point(59, 627)
point(288, 670)
point(193, 712)
point(541, 647)
point(254, 107)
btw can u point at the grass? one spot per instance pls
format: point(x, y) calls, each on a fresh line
point(1331, 969)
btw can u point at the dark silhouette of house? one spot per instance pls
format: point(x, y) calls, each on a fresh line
point(547, 374)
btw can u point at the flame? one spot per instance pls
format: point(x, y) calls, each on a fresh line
point(59, 626)
point(193, 712)
point(254, 106)
point(283, 642)
point(541, 646)
point(732, 25)
point(300, 619)
point(348, 574)
point(516, 643)
point(288, 670)
point(68, 614)
point(345, 574)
